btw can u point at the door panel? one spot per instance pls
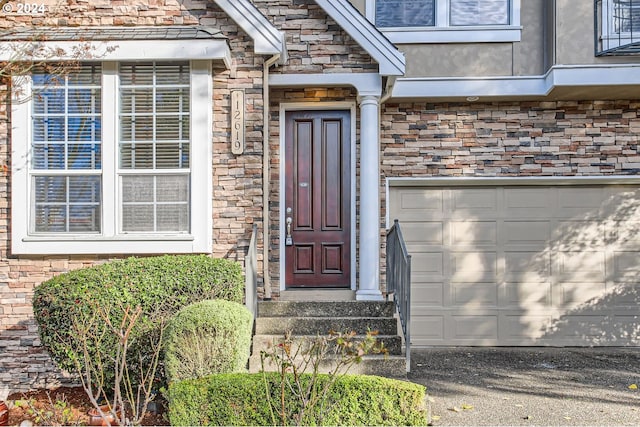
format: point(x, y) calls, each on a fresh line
point(317, 199)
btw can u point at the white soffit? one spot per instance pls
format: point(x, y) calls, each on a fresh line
point(518, 86)
point(266, 38)
point(390, 60)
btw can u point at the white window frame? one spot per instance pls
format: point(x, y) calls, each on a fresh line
point(110, 241)
point(443, 33)
point(611, 38)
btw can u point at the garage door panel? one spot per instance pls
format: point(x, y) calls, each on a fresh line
point(527, 233)
point(427, 330)
point(473, 201)
point(589, 328)
point(581, 266)
point(528, 202)
point(580, 202)
point(474, 294)
point(422, 233)
point(523, 329)
point(530, 295)
point(428, 294)
point(427, 266)
point(626, 266)
point(472, 233)
point(578, 234)
point(417, 204)
point(473, 266)
point(625, 296)
point(474, 327)
point(574, 294)
point(625, 234)
point(530, 266)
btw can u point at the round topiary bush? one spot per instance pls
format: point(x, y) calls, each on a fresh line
point(208, 337)
point(70, 308)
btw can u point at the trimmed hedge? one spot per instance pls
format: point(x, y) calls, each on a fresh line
point(241, 399)
point(162, 284)
point(208, 337)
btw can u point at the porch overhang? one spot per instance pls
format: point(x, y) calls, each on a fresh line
point(113, 44)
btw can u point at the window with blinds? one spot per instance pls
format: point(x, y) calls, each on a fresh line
point(66, 151)
point(428, 13)
point(405, 13)
point(154, 146)
point(478, 12)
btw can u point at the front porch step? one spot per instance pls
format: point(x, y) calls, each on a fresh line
point(325, 309)
point(393, 343)
point(323, 325)
point(392, 366)
point(306, 320)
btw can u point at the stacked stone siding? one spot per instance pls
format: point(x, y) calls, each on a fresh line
point(511, 139)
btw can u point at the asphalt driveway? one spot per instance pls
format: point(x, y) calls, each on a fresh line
point(530, 386)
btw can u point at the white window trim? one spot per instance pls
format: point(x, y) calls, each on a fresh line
point(443, 33)
point(199, 240)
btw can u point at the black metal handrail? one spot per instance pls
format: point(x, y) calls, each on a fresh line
point(399, 282)
point(251, 274)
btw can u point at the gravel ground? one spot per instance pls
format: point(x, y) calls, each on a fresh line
point(530, 386)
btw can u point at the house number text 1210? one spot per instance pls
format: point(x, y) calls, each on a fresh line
point(237, 121)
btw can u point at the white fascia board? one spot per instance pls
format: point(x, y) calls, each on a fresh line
point(514, 86)
point(121, 50)
point(365, 83)
point(267, 39)
point(390, 60)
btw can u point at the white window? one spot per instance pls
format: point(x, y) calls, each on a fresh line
point(620, 22)
point(117, 158)
point(442, 21)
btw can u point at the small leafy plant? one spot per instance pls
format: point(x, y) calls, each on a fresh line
point(56, 412)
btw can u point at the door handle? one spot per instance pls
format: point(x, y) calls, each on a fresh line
point(289, 240)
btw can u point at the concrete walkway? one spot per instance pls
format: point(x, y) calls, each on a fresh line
point(530, 386)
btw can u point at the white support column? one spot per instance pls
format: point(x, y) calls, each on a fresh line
point(369, 285)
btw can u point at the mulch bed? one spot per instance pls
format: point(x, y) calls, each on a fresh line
point(78, 403)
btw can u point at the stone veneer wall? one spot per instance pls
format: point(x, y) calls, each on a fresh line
point(317, 45)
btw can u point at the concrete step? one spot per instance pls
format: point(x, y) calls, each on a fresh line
point(393, 343)
point(325, 309)
point(322, 325)
point(384, 366)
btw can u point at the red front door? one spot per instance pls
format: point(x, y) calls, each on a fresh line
point(317, 199)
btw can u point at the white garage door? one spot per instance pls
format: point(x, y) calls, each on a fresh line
point(522, 265)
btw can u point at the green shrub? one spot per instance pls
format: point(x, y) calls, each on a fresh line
point(159, 285)
point(241, 399)
point(208, 337)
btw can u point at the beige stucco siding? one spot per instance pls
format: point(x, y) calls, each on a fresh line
point(574, 27)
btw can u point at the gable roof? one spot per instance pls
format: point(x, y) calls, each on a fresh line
point(267, 39)
point(389, 58)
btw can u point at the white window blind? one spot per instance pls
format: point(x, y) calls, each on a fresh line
point(479, 12)
point(155, 147)
point(626, 16)
point(405, 13)
point(66, 151)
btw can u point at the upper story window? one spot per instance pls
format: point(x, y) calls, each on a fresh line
point(618, 26)
point(442, 21)
point(110, 159)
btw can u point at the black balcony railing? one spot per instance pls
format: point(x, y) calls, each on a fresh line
point(617, 27)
